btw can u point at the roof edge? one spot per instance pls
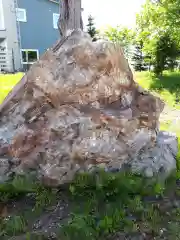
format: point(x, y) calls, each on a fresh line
point(54, 1)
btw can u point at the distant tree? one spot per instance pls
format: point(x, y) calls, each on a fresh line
point(166, 52)
point(158, 25)
point(91, 29)
point(122, 35)
point(138, 57)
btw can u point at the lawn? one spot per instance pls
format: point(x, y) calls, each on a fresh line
point(7, 81)
point(167, 87)
point(94, 207)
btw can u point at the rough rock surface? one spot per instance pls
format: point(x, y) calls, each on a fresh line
point(78, 108)
point(161, 159)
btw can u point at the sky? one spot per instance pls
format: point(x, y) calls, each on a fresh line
point(111, 12)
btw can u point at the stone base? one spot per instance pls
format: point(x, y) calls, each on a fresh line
point(161, 159)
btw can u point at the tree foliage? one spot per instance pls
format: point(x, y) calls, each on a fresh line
point(122, 35)
point(138, 57)
point(156, 38)
point(158, 28)
point(166, 52)
point(91, 29)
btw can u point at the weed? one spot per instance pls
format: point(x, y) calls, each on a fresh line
point(13, 226)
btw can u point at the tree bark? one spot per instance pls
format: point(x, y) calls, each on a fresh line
point(70, 16)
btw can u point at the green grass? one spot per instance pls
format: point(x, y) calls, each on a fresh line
point(103, 205)
point(167, 87)
point(7, 82)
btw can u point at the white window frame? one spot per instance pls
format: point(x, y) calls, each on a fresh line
point(24, 13)
point(55, 25)
point(29, 50)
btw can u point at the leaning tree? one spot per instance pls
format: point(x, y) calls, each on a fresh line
point(70, 16)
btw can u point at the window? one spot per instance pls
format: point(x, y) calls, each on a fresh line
point(55, 20)
point(21, 15)
point(29, 56)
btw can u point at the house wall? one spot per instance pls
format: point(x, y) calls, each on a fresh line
point(38, 32)
point(1, 16)
point(9, 36)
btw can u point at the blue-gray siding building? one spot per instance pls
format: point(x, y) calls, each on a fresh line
point(38, 31)
point(34, 24)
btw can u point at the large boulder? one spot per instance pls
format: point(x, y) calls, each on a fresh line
point(78, 109)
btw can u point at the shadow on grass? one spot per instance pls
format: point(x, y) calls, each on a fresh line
point(170, 82)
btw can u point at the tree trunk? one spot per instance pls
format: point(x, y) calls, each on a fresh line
point(70, 16)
